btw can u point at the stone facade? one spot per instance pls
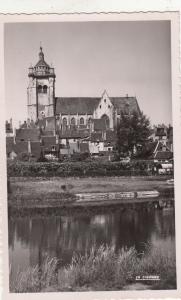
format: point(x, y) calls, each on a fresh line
point(41, 90)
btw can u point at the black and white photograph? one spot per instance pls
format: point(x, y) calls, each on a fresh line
point(90, 156)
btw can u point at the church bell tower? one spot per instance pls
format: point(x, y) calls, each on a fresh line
point(41, 90)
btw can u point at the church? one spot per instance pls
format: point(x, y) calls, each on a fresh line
point(62, 113)
point(64, 126)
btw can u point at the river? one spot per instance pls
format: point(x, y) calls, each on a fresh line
point(31, 239)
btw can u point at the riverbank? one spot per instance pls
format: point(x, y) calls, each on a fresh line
point(59, 188)
point(57, 192)
point(102, 269)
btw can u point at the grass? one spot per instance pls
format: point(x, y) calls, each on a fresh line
point(35, 279)
point(101, 269)
point(50, 186)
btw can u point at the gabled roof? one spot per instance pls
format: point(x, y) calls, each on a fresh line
point(42, 63)
point(125, 103)
point(87, 105)
point(76, 105)
point(32, 134)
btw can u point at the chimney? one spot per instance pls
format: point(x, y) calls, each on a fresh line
point(14, 136)
point(29, 146)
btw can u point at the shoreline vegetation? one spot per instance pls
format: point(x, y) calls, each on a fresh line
point(102, 269)
point(82, 168)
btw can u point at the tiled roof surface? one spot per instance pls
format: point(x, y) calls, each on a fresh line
point(121, 103)
point(9, 144)
point(163, 155)
point(76, 105)
point(99, 124)
point(36, 149)
point(151, 146)
point(48, 141)
point(47, 133)
point(87, 105)
point(73, 134)
point(21, 147)
point(32, 134)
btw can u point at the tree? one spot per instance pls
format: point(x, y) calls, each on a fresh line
point(132, 133)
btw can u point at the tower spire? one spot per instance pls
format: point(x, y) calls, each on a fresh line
point(41, 54)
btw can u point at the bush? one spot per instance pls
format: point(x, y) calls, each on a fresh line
point(77, 168)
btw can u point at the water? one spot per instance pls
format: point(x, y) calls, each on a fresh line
point(32, 238)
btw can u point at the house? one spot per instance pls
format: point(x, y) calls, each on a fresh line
point(161, 152)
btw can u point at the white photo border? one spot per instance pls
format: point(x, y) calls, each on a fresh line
point(176, 105)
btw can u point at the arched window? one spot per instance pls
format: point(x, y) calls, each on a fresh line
point(72, 121)
point(106, 120)
point(89, 122)
point(64, 121)
point(45, 89)
point(81, 121)
point(39, 89)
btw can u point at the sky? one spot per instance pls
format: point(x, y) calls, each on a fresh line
point(121, 57)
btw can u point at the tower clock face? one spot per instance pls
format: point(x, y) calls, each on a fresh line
point(41, 114)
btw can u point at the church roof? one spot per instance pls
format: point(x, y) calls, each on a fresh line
point(87, 105)
point(41, 68)
point(121, 103)
point(76, 105)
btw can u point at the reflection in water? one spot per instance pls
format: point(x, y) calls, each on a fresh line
point(31, 239)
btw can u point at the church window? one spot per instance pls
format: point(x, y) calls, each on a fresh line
point(64, 121)
point(106, 120)
point(39, 89)
point(89, 122)
point(100, 106)
point(81, 121)
point(73, 121)
point(45, 89)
